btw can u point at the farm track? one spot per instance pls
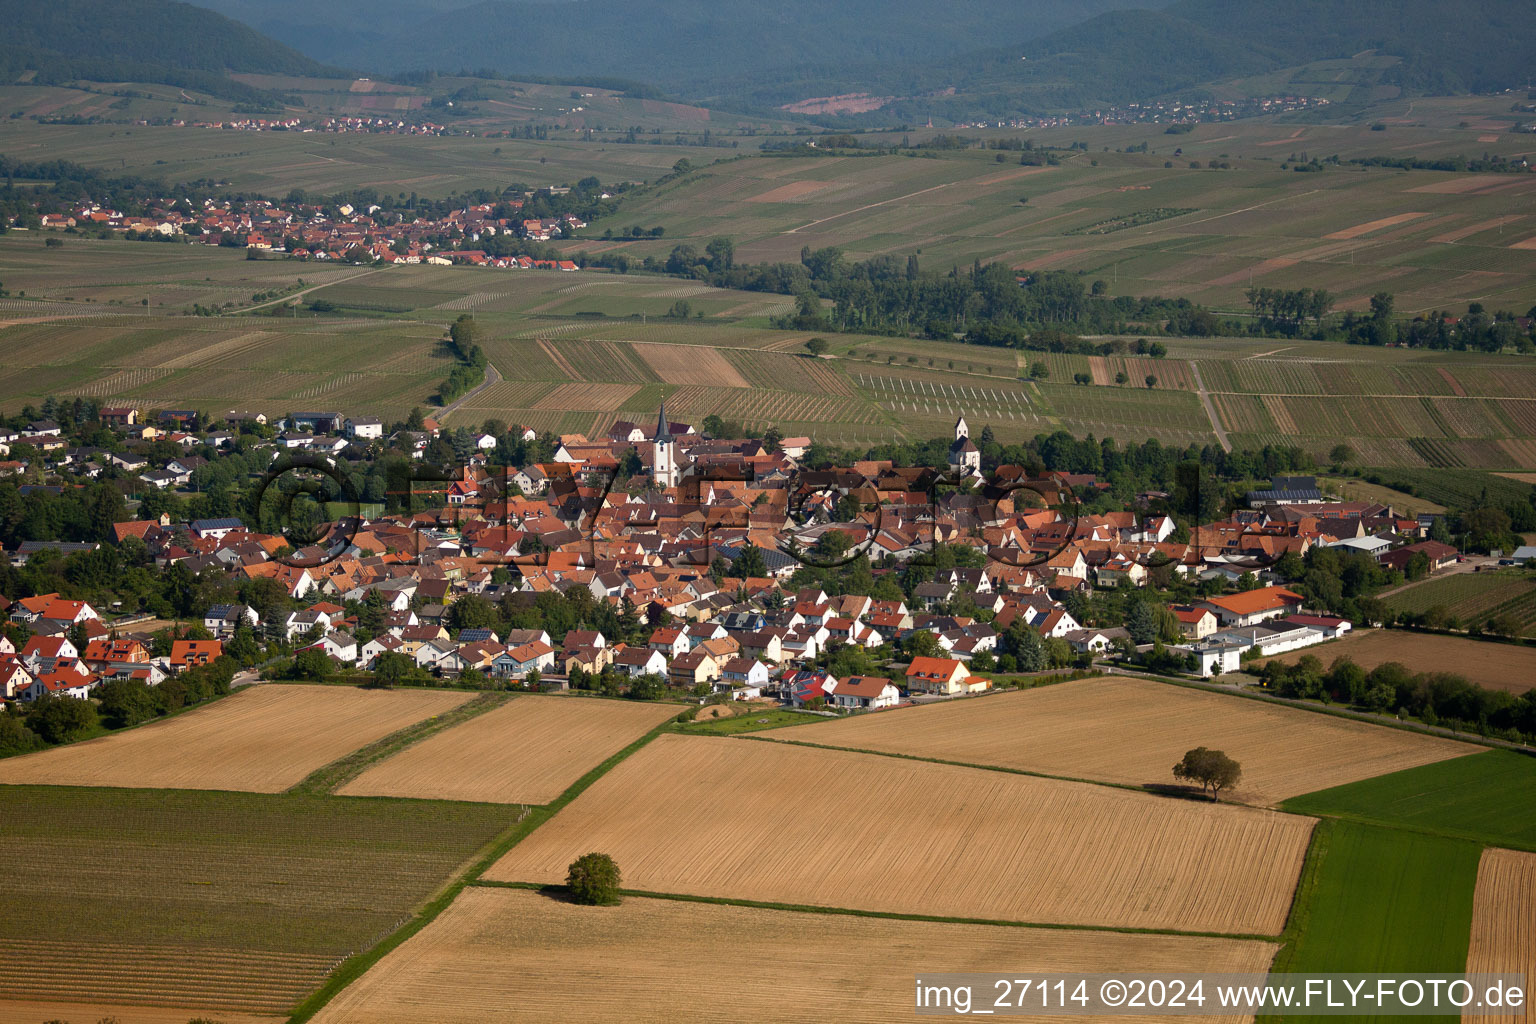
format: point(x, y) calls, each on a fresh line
point(302, 292)
point(1210, 408)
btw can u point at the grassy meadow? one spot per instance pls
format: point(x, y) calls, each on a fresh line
point(1483, 797)
point(1377, 900)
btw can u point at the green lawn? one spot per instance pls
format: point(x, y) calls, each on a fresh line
point(1485, 797)
point(754, 722)
point(1380, 900)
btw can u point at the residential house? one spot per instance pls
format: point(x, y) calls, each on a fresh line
point(188, 653)
point(1195, 623)
point(689, 670)
point(517, 662)
point(865, 692)
point(943, 676)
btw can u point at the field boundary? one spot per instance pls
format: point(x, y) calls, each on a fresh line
point(888, 915)
point(1301, 900)
point(326, 779)
point(355, 967)
point(1006, 770)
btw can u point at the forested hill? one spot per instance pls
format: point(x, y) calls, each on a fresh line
point(1136, 55)
point(1080, 53)
point(707, 49)
point(1447, 45)
point(139, 41)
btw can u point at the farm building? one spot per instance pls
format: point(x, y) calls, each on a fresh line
point(1253, 606)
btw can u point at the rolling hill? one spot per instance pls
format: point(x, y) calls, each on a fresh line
point(1078, 53)
point(159, 41)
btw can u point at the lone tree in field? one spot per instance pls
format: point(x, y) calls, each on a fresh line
point(593, 879)
point(816, 346)
point(1213, 769)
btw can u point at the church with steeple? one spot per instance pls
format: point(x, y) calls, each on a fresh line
point(964, 456)
point(664, 452)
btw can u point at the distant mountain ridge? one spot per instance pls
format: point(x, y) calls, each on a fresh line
point(702, 49)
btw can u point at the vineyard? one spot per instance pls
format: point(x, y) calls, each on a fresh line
point(1471, 597)
point(781, 371)
point(1456, 488)
point(213, 900)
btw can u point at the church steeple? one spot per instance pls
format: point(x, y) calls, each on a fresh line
point(663, 429)
point(664, 468)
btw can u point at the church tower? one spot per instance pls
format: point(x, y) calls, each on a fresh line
point(664, 452)
point(964, 456)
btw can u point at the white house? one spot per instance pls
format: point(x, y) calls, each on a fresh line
point(859, 692)
point(366, 429)
point(341, 646)
point(302, 622)
point(640, 661)
point(744, 672)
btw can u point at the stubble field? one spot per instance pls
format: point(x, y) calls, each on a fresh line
point(528, 751)
point(772, 822)
point(264, 739)
point(1496, 666)
point(1132, 731)
point(505, 954)
point(1504, 920)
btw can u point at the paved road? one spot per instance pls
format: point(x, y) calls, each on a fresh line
point(492, 375)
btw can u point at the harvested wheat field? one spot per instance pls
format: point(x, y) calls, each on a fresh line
point(1496, 666)
point(692, 364)
point(505, 954)
point(527, 751)
point(1066, 730)
point(1504, 922)
point(774, 822)
point(264, 739)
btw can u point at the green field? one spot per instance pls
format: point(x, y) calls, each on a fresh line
point(221, 900)
point(1485, 797)
point(1379, 900)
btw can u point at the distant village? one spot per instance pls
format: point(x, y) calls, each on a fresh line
point(1170, 112)
point(695, 541)
point(343, 233)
